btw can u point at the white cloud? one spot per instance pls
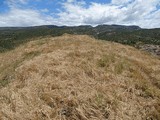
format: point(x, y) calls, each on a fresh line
point(70, 1)
point(45, 10)
point(137, 12)
point(15, 3)
point(18, 16)
point(27, 17)
point(120, 2)
point(77, 12)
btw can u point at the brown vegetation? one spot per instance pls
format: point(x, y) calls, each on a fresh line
point(78, 78)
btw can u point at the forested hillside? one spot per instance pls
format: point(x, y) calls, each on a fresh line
point(131, 35)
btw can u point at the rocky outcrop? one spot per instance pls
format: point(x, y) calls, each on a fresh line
point(154, 49)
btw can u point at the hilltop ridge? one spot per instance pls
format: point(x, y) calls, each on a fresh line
point(76, 77)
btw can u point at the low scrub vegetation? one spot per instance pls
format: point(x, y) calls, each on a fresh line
point(10, 38)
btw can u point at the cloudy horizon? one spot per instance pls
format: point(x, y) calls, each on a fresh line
point(22, 13)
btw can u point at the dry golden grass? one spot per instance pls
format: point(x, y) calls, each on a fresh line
point(75, 77)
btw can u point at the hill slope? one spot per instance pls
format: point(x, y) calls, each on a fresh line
point(75, 77)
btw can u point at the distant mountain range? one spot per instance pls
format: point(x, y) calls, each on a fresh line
point(108, 27)
point(10, 37)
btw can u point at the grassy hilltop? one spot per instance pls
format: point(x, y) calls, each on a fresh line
point(76, 77)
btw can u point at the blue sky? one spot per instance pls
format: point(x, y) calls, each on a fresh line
point(144, 13)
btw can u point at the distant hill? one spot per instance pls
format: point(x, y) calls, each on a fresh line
point(10, 37)
point(77, 77)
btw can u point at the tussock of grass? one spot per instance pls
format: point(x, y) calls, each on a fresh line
point(4, 81)
point(75, 77)
point(119, 67)
point(31, 54)
point(106, 60)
